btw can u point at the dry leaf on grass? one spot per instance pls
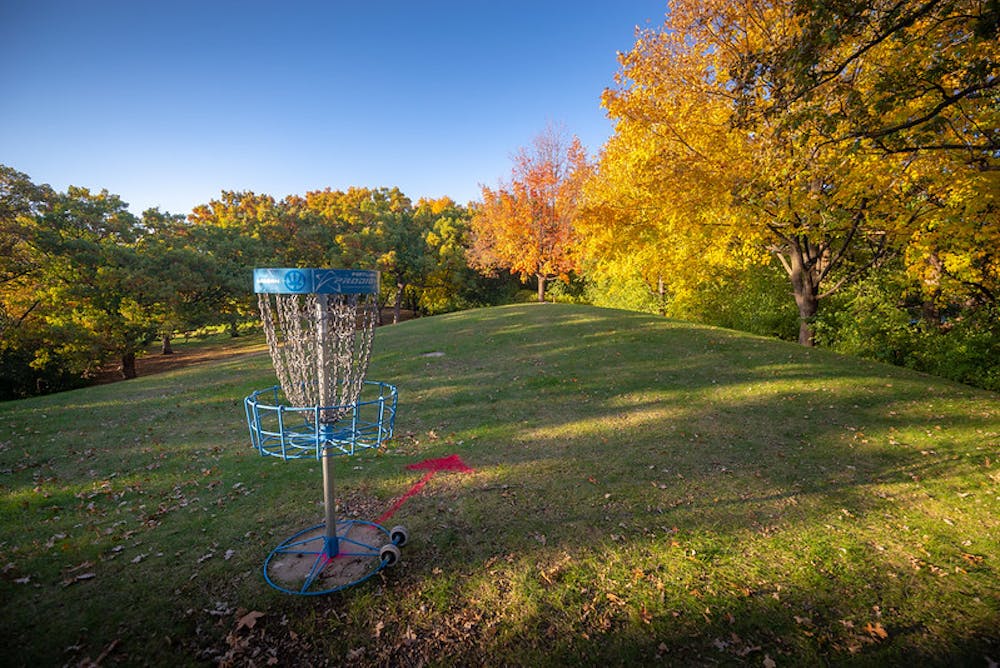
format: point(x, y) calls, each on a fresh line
point(876, 631)
point(249, 620)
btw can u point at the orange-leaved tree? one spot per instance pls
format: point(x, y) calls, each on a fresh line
point(526, 224)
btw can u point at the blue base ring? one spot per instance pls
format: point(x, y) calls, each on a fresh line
point(316, 548)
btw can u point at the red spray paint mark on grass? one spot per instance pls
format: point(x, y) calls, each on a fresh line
point(432, 466)
point(449, 463)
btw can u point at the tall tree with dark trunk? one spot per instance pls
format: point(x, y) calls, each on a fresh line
point(777, 126)
point(99, 286)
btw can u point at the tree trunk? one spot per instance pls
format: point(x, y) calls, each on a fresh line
point(234, 331)
point(662, 295)
point(808, 306)
point(541, 288)
point(128, 365)
point(166, 348)
point(400, 287)
point(806, 290)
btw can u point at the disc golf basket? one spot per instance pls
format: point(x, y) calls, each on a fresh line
point(319, 325)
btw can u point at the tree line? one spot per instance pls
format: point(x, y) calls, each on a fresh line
point(85, 283)
point(826, 172)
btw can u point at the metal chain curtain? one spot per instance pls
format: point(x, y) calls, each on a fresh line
point(320, 346)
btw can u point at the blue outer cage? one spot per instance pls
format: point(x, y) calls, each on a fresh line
point(297, 432)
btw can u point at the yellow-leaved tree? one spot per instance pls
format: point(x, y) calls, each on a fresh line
point(912, 80)
point(744, 129)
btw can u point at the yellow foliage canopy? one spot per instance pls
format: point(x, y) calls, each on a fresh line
point(730, 143)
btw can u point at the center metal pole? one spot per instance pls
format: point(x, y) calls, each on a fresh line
point(330, 542)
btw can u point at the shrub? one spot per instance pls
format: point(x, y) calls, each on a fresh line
point(756, 300)
point(878, 321)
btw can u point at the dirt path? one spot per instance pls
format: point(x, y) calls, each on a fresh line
point(200, 352)
point(184, 355)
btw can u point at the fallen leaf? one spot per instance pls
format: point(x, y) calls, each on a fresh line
point(229, 554)
point(645, 615)
point(79, 578)
point(23, 581)
point(769, 662)
point(249, 620)
point(876, 631)
point(107, 651)
point(50, 543)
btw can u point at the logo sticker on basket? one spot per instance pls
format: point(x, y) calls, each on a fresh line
point(295, 280)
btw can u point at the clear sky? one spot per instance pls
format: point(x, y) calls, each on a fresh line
point(167, 103)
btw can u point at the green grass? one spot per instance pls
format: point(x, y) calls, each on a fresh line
point(644, 490)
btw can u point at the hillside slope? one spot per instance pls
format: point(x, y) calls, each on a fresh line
point(642, 489)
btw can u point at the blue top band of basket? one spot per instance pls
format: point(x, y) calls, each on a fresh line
point(316, 281)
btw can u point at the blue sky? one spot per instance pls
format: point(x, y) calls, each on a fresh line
point(169, 103)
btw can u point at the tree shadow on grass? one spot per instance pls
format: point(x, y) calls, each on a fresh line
point(799, 452)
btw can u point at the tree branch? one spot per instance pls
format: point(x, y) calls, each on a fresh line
point(831, 74)
point(878, 256)
point(934, 111)
point(855, 224)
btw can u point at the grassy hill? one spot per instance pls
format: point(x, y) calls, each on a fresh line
point(644, 490)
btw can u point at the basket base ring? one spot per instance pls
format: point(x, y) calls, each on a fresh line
point(303, 564)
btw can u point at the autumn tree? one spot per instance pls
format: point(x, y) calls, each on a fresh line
point(919, 79)
point(446, 236)
point(366, 227)
point(713, 149)
point(239, 231)
point(526, 224)
point(395, 240)
point(190, 285)
point(20, 202)
point(99, 296)
point(22, 331)
point(79, 286)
